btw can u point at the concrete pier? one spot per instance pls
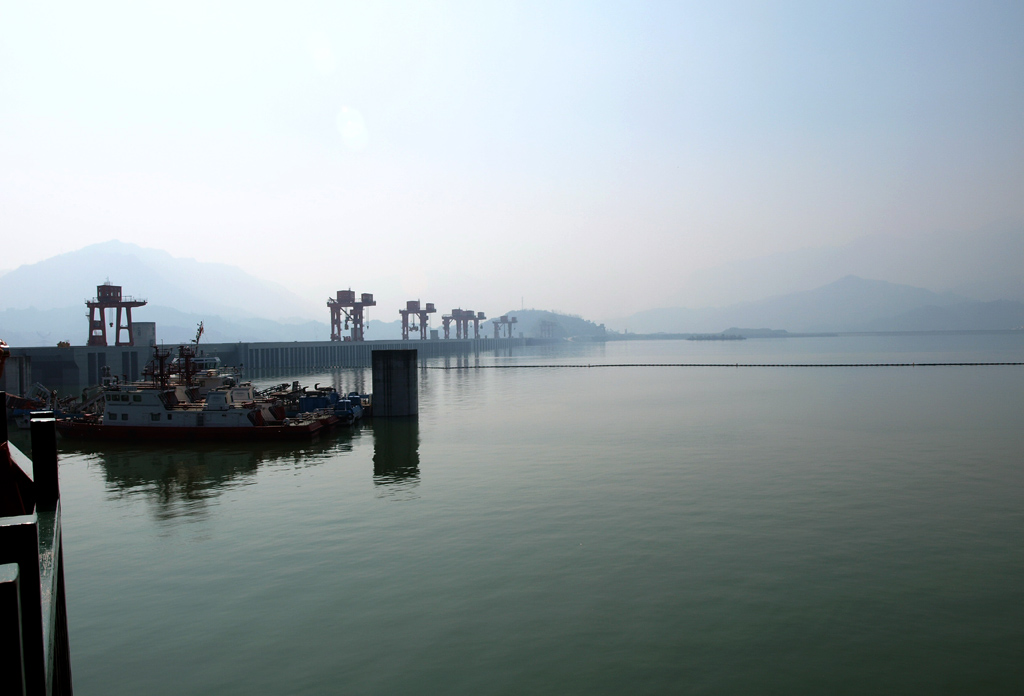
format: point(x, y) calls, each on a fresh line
point(395, 386)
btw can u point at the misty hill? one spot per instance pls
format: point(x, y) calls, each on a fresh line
point(848, 304)
point(530, 323)
point(982, 265)
point(30, 327)
point(184, 284)
point(968, 316)
point(45, 302)
point(377, 330)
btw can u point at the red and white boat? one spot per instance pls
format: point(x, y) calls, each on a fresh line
point(229, 412)
point(180, 401)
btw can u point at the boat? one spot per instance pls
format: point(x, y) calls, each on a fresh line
point(39, 398)
point(347, 409)
point(179, 401)
point(134, 412)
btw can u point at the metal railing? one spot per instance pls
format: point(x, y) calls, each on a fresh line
point(34, 654)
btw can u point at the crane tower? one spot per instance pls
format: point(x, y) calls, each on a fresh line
point(346, 304)
point(109, 297)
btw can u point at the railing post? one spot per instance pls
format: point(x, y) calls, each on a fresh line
point(44, 460)
point(19, 546)
point(12, 652)
point(3, 421)
point(34, 652)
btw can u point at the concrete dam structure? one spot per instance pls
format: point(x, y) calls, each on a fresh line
point(71, 369)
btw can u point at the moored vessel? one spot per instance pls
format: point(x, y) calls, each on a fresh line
point(227, 412)
point(181, 401)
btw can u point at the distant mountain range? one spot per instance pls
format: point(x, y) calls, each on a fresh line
point(30, 327)
point(848, 304)
point(184, 284)
point(984, 265)
point(44, 304)
point(539, 322)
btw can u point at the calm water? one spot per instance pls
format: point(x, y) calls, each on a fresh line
point(580, 531)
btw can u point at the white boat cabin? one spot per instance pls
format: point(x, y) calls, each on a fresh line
point(179, 406)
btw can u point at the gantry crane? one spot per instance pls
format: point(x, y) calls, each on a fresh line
point(109, 297)
point(503, 325)
point(345, 303)
point(462, 317)
point(413, 307)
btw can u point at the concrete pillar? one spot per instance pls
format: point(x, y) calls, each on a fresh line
point(396, 450)
point(395, 389)
point(44, 460)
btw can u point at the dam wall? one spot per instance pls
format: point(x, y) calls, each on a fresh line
point(71, 369)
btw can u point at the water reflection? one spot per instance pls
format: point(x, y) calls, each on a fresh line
point(460, 360)
point(502, 350)
point(353, 379)
point(183, 480)
point(396, 456)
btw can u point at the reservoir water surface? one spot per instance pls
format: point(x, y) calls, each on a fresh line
point(580, 530)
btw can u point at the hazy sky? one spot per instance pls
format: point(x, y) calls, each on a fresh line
point(580, 156)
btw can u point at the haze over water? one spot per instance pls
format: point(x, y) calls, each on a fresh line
point(570, 530)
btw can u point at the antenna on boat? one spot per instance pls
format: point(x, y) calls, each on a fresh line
point(158, 369)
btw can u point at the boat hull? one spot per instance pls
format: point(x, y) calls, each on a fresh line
point(98, 431)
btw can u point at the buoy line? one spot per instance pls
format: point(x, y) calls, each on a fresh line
point(580, 365)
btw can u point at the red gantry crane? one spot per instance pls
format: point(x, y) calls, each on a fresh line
point(504, 321)
point(462, 317)
point(413, 307)
point(345, 304)
point(109, 297)
point(480, 316)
